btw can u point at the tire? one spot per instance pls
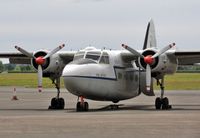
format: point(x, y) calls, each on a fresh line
point(53, 103)
point(78, 106)
point(158, 103)
point(86, 106)
point(61, 103)
point(165, 103)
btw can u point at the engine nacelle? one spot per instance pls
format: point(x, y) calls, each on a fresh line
point(40, 53)
point(52, 66)
point(161, 65)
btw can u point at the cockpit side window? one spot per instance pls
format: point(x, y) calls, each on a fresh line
point(93, 55)
point(104, 58)
point(79, 55)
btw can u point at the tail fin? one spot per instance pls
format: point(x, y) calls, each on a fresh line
point(150, 37)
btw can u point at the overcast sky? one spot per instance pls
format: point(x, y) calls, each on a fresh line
point(44, 24)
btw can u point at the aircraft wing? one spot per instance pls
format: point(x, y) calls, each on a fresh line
point(128, 57)
point(183, 57)
point(67, 56)
point(19, 58)
point(16, 58)
point(187, 57)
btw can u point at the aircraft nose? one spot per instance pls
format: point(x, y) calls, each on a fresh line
point(72, 78)
point(78, 68)
point(70, 70)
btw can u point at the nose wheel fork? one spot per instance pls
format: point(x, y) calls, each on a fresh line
point(57, 102)
point(162, 102)
point(82, 105)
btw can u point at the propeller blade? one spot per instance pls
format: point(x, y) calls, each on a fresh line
point(24, 52)
point(54, 51)
point(133, 51)
point(163, 50)
point(39, 78)
point(148, 77)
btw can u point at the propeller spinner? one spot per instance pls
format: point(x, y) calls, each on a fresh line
point(40, 61)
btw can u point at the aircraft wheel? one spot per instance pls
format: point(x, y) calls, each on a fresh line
point(57, 103)
point(165, 103)
point(158, 103)
point(53, 103)
point(82, 107)
point(61, 103)
point(78, 106)
point(86, 106)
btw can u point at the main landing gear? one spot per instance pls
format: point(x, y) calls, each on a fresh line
point(57, 102)
point(162, 102)
point(82, 105)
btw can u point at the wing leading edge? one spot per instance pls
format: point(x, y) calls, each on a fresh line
point(19, 58)
point(16, 58)
point(187, 57)
point(183, 57)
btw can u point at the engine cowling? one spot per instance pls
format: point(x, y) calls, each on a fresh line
point(161, 65)
point(52, 66)
point(42, 63)
point(40, 54)
point(142, 62)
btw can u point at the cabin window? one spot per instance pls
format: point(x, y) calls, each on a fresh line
point(104, 58)
point(126, 76)
point(119, 75)
point(93, 55)
point(131, 77)
point(136, 78)
point(79, 55)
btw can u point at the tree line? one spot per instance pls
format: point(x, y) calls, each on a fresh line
point(189, 69)
point(15, 68)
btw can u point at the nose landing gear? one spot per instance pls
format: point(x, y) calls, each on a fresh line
point(82, 105)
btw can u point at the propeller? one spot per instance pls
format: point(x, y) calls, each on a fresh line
point(149, 60)
point(40, 61)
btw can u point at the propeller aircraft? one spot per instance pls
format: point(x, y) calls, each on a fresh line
point(107, 75)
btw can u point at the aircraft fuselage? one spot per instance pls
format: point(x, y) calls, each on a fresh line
point(94, 80)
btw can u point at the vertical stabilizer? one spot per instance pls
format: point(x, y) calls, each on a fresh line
point(150, 37)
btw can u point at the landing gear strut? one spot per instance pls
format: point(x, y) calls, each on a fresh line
point(57, 102)
point(82, 105)
point(162, 102)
